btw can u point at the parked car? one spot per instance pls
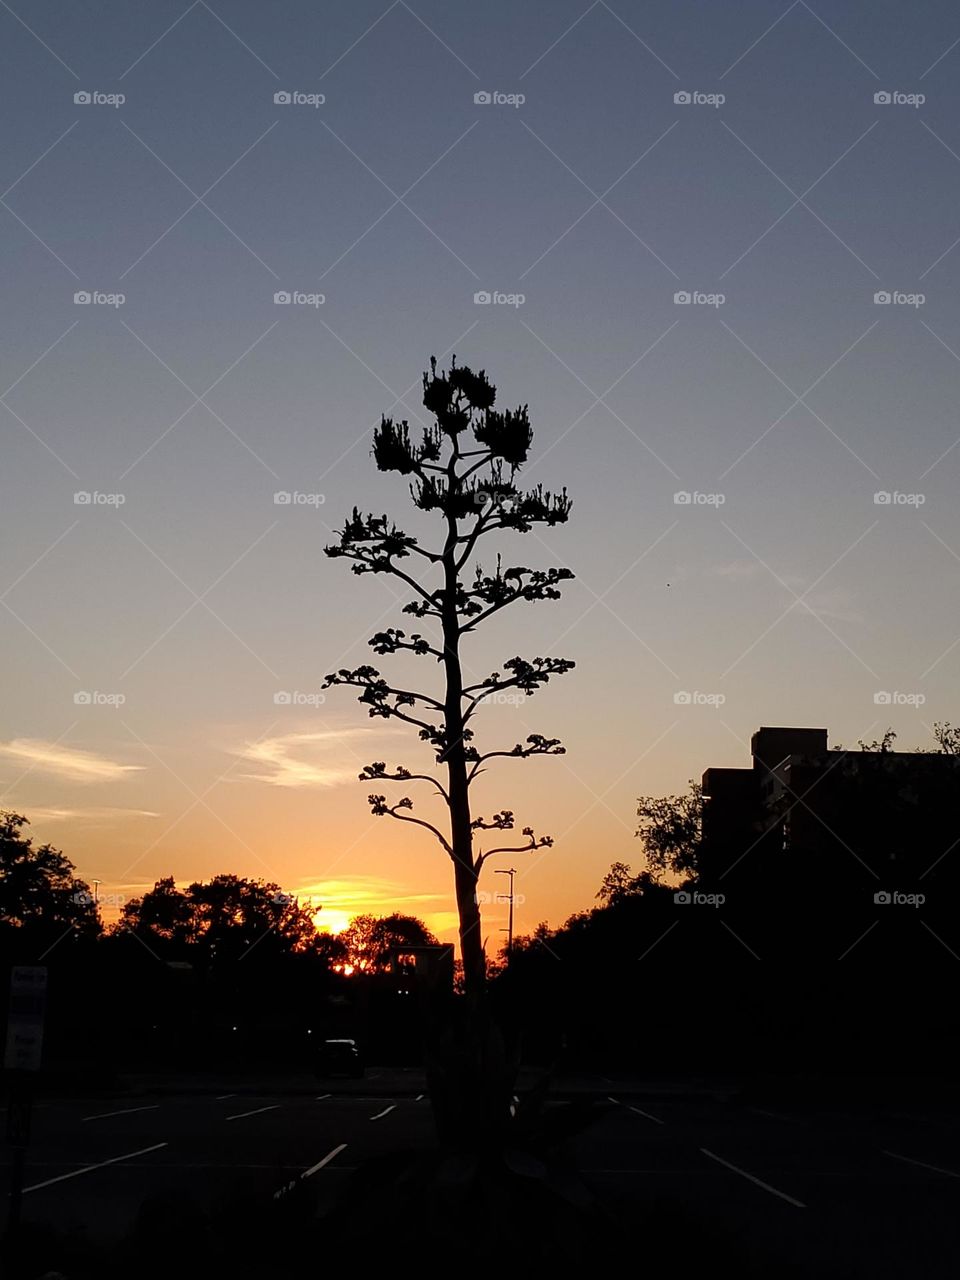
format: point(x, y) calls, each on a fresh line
point(339, 1058)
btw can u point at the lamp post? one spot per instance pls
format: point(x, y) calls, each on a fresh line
point(511, 873)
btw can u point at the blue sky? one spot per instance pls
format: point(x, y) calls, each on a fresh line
point(782, 586)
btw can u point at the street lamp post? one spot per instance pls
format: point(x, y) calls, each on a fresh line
point(511, 873)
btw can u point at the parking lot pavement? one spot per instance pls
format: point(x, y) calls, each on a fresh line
point(92, 1164)
point(779, 1191)
point(797, 1194)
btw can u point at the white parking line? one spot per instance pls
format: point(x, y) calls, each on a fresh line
point(419, 1097)
point(321, 1096)
point(331, 1155)
point(224, 1096)
point(88, 1168)
point(782, 1195)
point(386, 1112)
point(259, 1111)
point(646, 1114)
point(777, 1115)
point(949, 1173)
point(127, 1112)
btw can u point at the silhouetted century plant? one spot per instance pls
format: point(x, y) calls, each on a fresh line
point(465, 469)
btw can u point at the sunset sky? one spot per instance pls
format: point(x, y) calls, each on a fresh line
point(782, 590)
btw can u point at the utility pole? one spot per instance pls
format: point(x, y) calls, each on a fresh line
point(511, 873)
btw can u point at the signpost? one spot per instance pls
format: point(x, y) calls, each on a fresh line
point(21, 1060)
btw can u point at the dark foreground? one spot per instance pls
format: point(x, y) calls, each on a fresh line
point(706, 1175)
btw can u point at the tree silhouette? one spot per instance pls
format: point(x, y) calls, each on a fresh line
point(671, 829)
point(163, 911)
point(39, 890)
point(474, 491)
point(370, 939)
point(224, 917)
point(620, 883)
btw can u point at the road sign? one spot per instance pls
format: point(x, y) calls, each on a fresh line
point(28, 994)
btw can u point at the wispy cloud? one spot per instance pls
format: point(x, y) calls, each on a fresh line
point(307, 759)
point(101, 814)
point(835, 604)
point(65, 762)
point(736, 570)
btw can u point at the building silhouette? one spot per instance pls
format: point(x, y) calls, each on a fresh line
point(822, 819)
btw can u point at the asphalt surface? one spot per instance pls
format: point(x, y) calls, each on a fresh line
point(784, 1191)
